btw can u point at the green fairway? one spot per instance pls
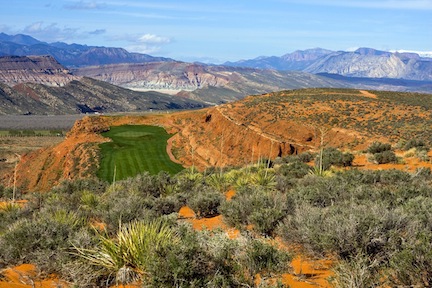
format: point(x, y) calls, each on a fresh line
point(133, 150)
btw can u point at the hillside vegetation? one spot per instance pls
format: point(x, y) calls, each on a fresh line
point(374, 225)
point(262, 126)
point(295, 164)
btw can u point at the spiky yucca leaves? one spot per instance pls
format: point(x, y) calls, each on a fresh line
point(265, 178)
point(129, 253)
point(218, 181)
point(318, 172)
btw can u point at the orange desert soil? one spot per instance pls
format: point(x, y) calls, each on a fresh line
point(233, 134)
point(307, 273)
point(26, 275)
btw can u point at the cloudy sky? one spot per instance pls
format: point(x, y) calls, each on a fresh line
point(225, 30)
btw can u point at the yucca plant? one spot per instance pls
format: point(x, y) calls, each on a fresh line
point(319, 172)
point(129, 253)
point(218, 181)
point(264, 178)
point(191, 174)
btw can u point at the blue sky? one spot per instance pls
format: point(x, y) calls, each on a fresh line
point(223, 30)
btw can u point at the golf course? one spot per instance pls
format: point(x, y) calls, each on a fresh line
point(133, 150)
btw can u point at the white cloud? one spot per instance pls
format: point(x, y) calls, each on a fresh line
point(50, 33)
point(145, 43)
point(153, 39)
point(421, 53)
point(145, 49)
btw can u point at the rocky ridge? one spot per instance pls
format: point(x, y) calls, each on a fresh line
point(36, 69)
point(71, 55)
point(160, 75)
point(207, 83)
point(364, 62)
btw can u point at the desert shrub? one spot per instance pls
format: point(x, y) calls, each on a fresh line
point(70, 187)
point(144, 183)
point(420, 208)
point(424, 173)
point(332, 156)
point(304, 157)
point(202, 259)
point(262, 256)
point(384, 177)
point(46, 235)
point(167, 205)
point(122, 206)
point(254, 205)
point(294, 170)
point(412, 265)
point(387, 156)
point(9, 214)
point(205, 201)
point(378, 147)
point(422, 155)
point(198, 260)
point(81, 273)
point(368, 229)
point(415, 143)
point(357, 272)
point(321, 192)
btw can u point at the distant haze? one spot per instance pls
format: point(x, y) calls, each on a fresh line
point(220, 31)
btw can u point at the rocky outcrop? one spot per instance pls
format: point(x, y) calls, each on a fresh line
point(161, 75)
point(34, 69)
point(85, 96)
point(211, 84)
point(364, 62)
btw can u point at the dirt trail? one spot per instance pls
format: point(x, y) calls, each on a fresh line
point(368, 94)
point(259, 131)
point(169, 151)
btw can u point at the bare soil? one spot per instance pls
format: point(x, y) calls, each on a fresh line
point(306, 272)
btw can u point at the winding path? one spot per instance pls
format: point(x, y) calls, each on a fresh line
point(259, 131)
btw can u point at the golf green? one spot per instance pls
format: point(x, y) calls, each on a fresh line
point(133, 150)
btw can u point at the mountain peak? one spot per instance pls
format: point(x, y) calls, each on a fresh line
point(371, 51)
point(20, 39)
point(72, 55)
point(306, 55)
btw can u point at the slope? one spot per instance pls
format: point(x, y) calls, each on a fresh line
point(85, 96)
point(265, 126)
point(212, 84)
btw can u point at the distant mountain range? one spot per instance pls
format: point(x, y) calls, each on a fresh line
point(85, 96)
point(364, 62)
point(71, 55)
point(58, 83)
point(207, 83)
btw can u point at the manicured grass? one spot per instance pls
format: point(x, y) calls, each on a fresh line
point(133, 150)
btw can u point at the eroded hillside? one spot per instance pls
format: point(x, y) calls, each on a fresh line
point(264, 126)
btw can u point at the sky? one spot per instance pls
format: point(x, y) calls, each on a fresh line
point(224, 30)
